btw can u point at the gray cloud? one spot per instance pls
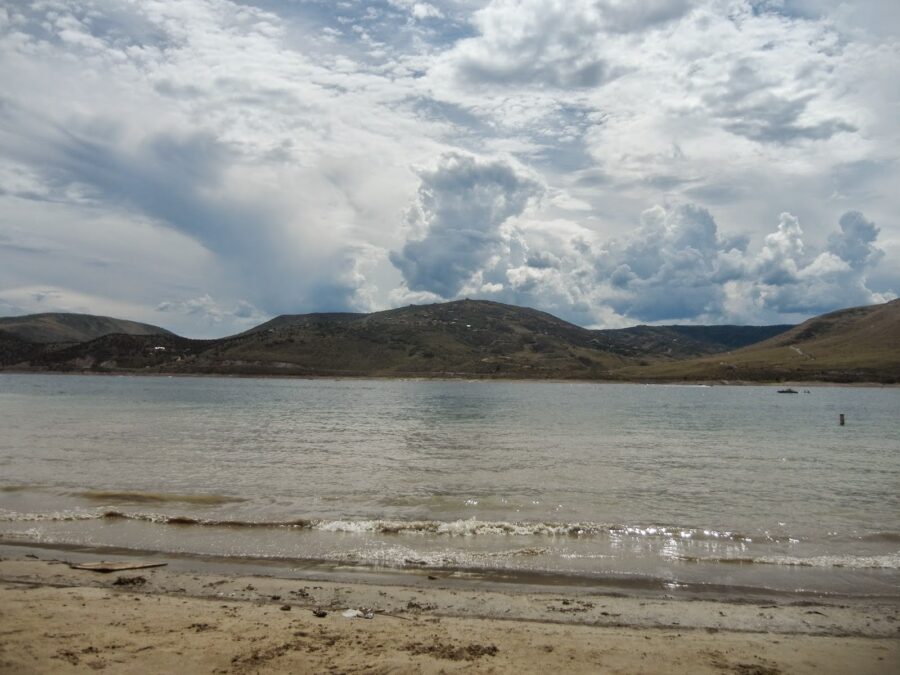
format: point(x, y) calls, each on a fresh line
point(749, 108)
point(552, 43)
point(10, 244)
point(776, 120)
point(855, 243)
point(676, 266)
point(789, 279)
point(262, 150)
point(673, 267)
point(206, 310)
point(181, 182)
point(460, 209)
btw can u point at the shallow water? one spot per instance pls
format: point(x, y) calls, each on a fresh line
point(646, 484)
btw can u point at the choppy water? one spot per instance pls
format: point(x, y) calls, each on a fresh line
point(666, 485)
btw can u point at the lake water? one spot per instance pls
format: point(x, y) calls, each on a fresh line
point(650, 486)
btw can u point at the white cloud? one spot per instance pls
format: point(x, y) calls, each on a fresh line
point(209, 314)
point(552, 43)
point(782, 252)
point(419, 10)
point(786, 279)
point(184, 149)
point(676, 266)
point(458, 221)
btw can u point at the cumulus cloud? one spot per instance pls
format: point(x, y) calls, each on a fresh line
point(459, 215)
point(855, 243)
point(782, 253)
point(678, 267)
point(183, 150)
point(787, 278)
point(554, 43)
point(675, 266)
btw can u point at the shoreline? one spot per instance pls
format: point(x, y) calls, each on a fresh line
point(462, 578)
point(465, 377)
point(55, 618)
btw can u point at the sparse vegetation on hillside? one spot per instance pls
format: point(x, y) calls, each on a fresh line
point(472, 338)
point(60, 327)
point(861, 344)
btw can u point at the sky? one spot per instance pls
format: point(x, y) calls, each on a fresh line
point(204, 165)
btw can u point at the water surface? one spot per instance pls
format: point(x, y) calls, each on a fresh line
point(647, 484)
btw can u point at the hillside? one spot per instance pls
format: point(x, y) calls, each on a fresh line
point(61, 327)
point(463, 337)
point(850, 345)
point(683, 342)
point(474, 338)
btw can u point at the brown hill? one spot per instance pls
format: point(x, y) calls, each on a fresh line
point(471, 338)
point(64, 327)
point(683, 342)
point(850, 345)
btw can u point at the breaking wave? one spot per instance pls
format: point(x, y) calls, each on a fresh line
point(511, 531)
point(454, 528)
point(889, 561)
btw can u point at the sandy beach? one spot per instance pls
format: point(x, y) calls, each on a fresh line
point(57, 619)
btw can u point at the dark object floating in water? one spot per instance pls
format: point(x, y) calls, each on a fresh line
point(788, 391)
point(105, 566)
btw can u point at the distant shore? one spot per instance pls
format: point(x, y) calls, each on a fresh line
point(462, 377)
point(59, 619)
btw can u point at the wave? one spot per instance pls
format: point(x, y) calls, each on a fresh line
point(502, 530)
point(56, 516)
point(473, 527)
point(455, 528)
point(139, 497)
point(889, 537)
point(889, 561)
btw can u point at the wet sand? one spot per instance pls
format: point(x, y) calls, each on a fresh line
point(57, 619)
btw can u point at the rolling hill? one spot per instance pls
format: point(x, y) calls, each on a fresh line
point(861, 344)
point(683, 342)
point(476, 338)
point(465, 337)
point(61, 327)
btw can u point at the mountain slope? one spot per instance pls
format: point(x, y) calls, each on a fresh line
point(61, 327)
point(470, 338)
point(857, 344)
point(683, 342)
point(466, 336)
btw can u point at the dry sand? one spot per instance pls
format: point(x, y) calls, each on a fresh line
point(54, 619)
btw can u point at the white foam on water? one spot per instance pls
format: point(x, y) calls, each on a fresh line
point(889, 561)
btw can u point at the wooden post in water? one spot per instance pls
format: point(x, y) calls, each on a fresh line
point(842, 419)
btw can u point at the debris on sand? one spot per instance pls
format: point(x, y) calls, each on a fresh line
point(451, 652)
point(364, 613)
point(130, 581)
point(106, 566)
